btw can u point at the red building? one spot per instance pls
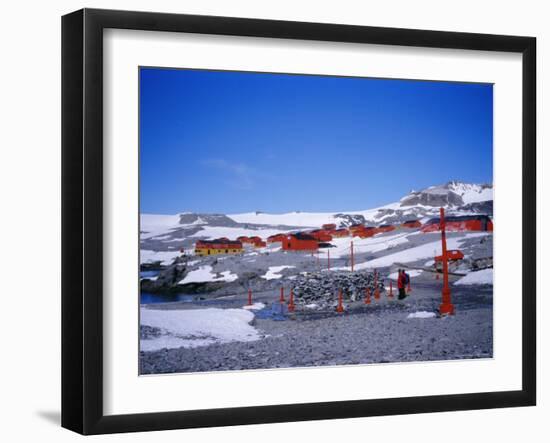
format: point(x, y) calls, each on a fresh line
point(367, 232)
point(362, 231)
point(300, 242)
point(338, 233)
point(359, 230)
point(329, 226)
point(257, 242)
point(461, 223)
point(276, 238)
point(320, 235)
point(385, 228)
point(412, 224)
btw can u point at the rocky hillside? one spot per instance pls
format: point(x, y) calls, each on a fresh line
point(173, 232)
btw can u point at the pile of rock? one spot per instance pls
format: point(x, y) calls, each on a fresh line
point(320, 289)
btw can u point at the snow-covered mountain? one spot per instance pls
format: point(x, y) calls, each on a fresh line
point(172, 232)
point(451, 194)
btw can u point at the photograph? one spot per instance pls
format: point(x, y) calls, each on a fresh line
point(291, 220)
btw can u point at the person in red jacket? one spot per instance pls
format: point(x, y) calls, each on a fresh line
point(401, 283)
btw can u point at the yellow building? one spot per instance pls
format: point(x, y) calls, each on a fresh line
point(216, 247)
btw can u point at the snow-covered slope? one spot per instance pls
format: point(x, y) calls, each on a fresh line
point(172, 232)
point(453, 193)
point(472, 193)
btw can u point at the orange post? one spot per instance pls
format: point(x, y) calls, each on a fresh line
point(291, 305)
point(409, 287)
point(390, 295)
point(249, 297)
point(446, 307)
point(282, 297)
point(376, 288)
point(340, 307)
point(367, 296)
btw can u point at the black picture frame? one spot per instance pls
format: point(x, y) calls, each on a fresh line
point(82, 218)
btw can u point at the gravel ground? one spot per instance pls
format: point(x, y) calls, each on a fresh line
point(376, 333)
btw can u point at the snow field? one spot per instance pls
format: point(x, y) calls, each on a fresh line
point(164, 257)
point(254, 306)
point(196, 327)
point(421, 314)
point(483, 277)
point(274, 272)
point(205, 274)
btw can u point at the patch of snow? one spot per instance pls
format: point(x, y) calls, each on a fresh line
point(367, 245)
point(254, 306)
point(161, 237)
point(199, 221)
point(196, 327)
point(472, 193)
point(204, 274)
point(483, 277)
point(422, 314)
point(164, 257)
point(274, 272)
point(227, 276)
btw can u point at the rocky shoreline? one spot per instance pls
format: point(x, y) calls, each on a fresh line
point(378, 333)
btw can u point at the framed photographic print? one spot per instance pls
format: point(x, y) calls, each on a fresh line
point(268, 221)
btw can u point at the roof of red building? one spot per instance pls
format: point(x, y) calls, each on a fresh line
point(459, 218)
point(303, 236)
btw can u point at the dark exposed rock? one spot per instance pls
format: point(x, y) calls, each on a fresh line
point(321, 288)
point(430, 198)
point(485, 207)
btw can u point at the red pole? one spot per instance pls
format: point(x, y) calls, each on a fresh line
point(340, 307)
point(352, 256)
point(328, 258)
point(282, 297)
point(367, 297)
point(446, 307)
point(390, 295)
point(249, 297)
point(376, 288)
point(409, 286)
point(291, 305)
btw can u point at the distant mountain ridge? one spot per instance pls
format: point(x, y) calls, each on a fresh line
point(172, 232)
point(451, 194)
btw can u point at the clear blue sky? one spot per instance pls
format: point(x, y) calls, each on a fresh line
point(229, 142)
